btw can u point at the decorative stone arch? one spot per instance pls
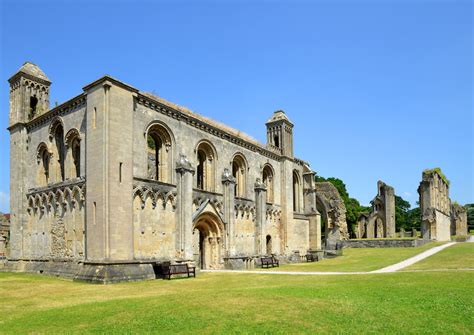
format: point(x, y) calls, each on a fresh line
point(55, 123)
point(206, 160)
point(160, 144)
point(375, 226)
point(208, 238)
point(60, 199)
point(161, 196)
point(268, 178)
point(77, 197)
point(52, 200)
point(138, 192)
point(37, 202)
point(149, 194)
point(333, 213)
point(239, 172)
point(72, 134)
point(44, 202)
point(297, 184)
point(171, 199)
point(31, 205)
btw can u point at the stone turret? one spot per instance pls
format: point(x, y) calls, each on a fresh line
point(280, 133)
point(29, 94)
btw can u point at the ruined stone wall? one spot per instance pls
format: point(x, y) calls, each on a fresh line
point(380, 222)
point(332, 208)
point(458, 220)
point(4, 235)
point(435, 206)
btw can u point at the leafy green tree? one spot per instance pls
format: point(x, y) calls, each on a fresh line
point(402, 208)
point(470, 216)
point(414, 218)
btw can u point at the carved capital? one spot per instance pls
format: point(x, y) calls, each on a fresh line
point(260, 186)
point(183, 165)
point(227, 177)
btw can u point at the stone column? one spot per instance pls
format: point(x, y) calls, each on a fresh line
point(228, 182)
point(184, 228)
point(260, 211)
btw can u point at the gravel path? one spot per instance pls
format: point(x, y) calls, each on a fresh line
point(414, 259)
point(388, 269)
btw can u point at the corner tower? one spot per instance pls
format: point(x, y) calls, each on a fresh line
point(29, 97)
point(29, 94)
point(280, 133)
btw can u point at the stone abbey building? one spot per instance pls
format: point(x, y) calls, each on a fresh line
point(115, 180)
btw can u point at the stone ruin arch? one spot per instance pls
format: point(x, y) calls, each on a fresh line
point(333, 214)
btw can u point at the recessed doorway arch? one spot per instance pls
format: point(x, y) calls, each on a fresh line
point(208, 241)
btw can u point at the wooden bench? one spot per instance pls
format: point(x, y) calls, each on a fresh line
point(311, 258)
point(176, 269)
point(269, 261)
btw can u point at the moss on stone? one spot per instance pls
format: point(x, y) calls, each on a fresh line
point(439, 172)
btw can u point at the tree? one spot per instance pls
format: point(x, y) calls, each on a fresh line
point(470, 216)
point(414, 218)
point(402, 208)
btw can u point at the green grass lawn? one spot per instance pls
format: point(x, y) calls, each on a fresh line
point(458, 256)
point(437, 302)
point(358, 260)
point(397, 303)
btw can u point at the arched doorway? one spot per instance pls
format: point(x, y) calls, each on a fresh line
point(269, 245)
point(207, 241)
point(379, 229)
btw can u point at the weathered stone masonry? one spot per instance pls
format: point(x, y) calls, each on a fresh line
point(440, 218)
point(116, 180)
point(380, 222)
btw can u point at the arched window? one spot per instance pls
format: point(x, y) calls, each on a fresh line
point(239, 171)
point(43, 159)
point(33, 104)
point(205, 172)
point(296, 192)
point(267, 177)
point(76, 157)
point(159, 151)
point(73, 154)
point(56, 135)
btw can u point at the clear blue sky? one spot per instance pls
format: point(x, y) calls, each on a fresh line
point(376, 89)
